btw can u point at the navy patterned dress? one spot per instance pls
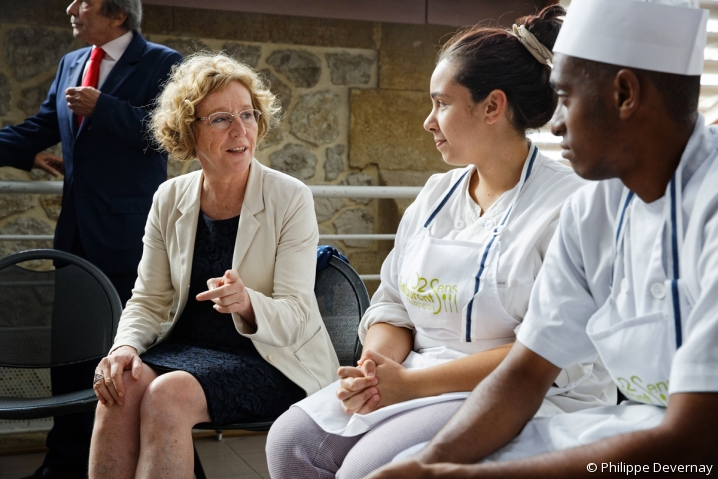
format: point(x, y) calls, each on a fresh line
point(238, 383)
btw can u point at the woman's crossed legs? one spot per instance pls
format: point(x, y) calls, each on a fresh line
point(150, 435)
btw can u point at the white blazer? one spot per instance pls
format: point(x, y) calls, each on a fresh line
point(275, 256)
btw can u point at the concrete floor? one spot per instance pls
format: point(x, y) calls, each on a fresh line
point(236, 457)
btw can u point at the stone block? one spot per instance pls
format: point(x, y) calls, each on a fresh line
point(355, 221)
point(156, 19)
point(193, 165)
point(387, 130)
point(471, 12)
point(334, 163)
point(295, 160)
point(52, 204)
point(185, 46)
point(359, 179)
point(300, 67)
point(326, 207)
point(8, 173)
point(36, 12)
point(248, 54)
point(349, 69)
point(279, 88)
point(31, 98)
point(5, 96)
point(273, 137)
point(33, 50)
point(402, 178)
point(174, 167)
point(407, 55)
point(37, 174)
point(314, 118)
point(13, 204)
point(263, 28)
point(24, 226)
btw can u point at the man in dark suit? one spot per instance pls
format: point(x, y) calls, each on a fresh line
point(97, 107)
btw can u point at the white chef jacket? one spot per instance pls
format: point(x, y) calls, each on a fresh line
point(576, 279)
point(524, 244)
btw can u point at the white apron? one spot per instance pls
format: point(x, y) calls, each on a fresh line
point(638, 351)
point(449, 288)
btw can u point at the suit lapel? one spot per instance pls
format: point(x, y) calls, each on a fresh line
point(252, 205)
point(186, 233)
point(125, 66)
point(74, 79)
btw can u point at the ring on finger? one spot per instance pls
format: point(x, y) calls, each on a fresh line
point(98, 378)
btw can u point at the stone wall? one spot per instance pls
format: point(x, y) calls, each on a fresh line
point(354, 94)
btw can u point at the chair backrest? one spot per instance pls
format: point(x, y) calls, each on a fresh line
point(342, 299)
point(55, 309)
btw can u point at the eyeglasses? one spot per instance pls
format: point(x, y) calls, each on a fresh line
point(222, 119)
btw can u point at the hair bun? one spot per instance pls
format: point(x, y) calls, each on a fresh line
point(545, 25)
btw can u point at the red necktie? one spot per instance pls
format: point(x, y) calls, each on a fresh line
point(92, 75)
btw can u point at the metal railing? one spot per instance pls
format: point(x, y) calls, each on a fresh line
point(319, 191)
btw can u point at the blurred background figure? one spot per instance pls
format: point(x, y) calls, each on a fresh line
point(96, 108)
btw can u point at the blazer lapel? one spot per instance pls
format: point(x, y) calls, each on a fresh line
point(125, 66)
point(186, 232)
point(253, 204)
point(74, 79)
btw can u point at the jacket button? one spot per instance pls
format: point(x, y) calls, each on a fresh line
point(658, 290)
point(271, 358)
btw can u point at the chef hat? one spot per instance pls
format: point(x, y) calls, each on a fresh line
point(660, 35)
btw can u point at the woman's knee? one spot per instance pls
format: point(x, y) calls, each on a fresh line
point(298, 447)
point(174, 397)
point(286, 431)
point(133, 392)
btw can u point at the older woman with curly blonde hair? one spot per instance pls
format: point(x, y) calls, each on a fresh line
point(235, 243)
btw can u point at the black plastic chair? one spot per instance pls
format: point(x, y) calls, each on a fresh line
point(55, 309)
point(342, 299)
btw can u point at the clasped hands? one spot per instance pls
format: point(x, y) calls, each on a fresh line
point(376, 382)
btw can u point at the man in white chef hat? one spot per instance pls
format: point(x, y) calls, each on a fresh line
point(631, 274)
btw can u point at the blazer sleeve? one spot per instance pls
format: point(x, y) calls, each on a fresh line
point(281, 319)
point(141, 320)
point(20, 143)
point(129, 122)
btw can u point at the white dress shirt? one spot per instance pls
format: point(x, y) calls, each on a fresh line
point(113, 51)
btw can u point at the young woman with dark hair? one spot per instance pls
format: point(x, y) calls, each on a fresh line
point(456, 286)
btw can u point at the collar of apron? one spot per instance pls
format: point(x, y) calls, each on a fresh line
point(528, 166)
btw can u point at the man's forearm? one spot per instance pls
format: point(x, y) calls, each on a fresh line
point(611, 457)
point(687, 436)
